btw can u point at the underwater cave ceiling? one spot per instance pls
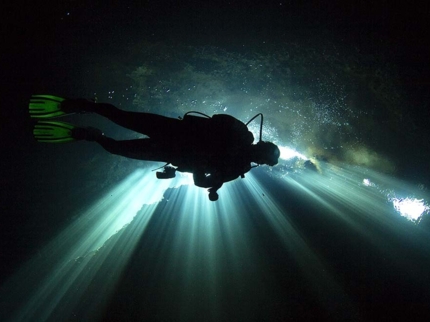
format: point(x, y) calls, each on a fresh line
point(324, 100)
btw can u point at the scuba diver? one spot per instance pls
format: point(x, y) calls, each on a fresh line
point(214, 149)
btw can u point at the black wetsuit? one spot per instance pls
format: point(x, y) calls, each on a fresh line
point(215, 150)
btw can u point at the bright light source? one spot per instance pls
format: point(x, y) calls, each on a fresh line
point(288, 153)
point(368, 183)
point(410, 208)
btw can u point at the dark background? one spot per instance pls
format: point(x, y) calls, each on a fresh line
point(43, 43)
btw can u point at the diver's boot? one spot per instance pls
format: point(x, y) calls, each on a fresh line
point(87, 134)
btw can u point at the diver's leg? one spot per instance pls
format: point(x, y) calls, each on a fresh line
point(140, 149)
point(152, 125)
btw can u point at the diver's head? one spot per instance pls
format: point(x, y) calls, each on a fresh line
point(265, 153)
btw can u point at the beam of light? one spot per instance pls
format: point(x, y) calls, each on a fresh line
point(360, 198)
point(196, 249)
point(363, 190)
point(205, 249)
point(207, 244)
point(209, 240)
point(317, 273)
point(53, 285)
point(288, 153)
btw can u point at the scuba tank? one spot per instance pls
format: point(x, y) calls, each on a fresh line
point(169, 172)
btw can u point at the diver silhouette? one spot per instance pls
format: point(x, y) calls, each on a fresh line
point(214, 149)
